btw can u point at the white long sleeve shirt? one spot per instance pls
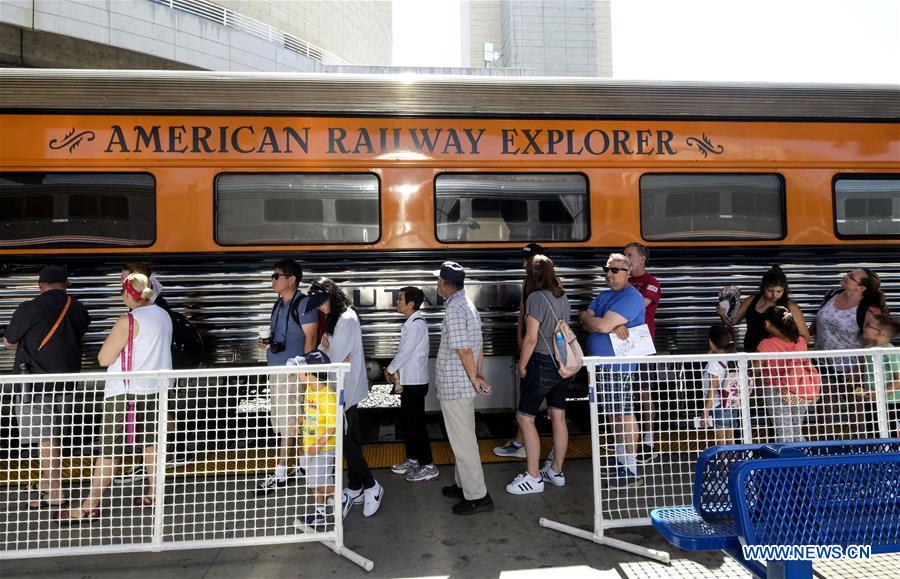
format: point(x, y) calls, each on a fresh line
point(412, 355)
point(347, 341)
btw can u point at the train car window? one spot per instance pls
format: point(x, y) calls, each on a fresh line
point(289, 208)
point(358, 211)
point(712, 206)
point(77, 209)
point(294, 210)
point(867, 205)
point(511, 207)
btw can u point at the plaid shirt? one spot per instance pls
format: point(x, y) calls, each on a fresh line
point(461, 329)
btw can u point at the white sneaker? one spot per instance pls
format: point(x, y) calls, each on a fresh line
point(137, 474)
point(348, 499)
point(271, 482)
point(410, 464)
point(372, 499)
point(524, 484)
point(549, 461)
point(554, 478)
point(511, 448)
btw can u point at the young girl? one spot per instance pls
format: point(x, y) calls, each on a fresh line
point(792, 385)
point(721, 389)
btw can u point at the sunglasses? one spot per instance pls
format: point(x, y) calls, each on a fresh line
point(614, 269)
point(278, 275)
point(850, 275)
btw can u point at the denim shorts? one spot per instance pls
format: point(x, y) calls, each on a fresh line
point(726, 418)
point(617, 391)
point(542, 381)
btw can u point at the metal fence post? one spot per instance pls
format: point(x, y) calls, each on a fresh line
point(159, 491)
point(881, 395)
point(744, 380)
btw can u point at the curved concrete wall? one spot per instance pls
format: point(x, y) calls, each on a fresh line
point(113, 34)
point(360, 32)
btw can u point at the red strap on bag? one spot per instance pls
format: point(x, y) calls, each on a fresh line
point(127, 360)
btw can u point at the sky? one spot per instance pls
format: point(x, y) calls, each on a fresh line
point(718, 40)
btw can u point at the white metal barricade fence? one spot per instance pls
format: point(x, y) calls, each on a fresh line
point(111, 463)
point(652, 416)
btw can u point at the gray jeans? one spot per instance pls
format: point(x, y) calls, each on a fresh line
point(787, 420)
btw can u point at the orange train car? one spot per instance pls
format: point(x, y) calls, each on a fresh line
point(374, 180)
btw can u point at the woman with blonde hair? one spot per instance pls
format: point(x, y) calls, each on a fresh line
point(140, 341)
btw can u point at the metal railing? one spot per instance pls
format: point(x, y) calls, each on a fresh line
point(231, 19)
point(771, 397)
point(109, 475)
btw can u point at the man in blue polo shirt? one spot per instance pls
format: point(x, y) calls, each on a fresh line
point(622, 305)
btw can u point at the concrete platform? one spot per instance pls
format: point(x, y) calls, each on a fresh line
point(416, 535)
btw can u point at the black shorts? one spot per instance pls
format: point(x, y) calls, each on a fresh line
point(542, 381)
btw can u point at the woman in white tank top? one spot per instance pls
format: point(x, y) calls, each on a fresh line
point(140, 341)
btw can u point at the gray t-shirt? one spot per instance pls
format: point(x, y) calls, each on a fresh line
point(286, 331)
point(538, 308)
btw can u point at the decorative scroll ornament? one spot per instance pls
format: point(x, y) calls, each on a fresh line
point(704, 145)
point(72, 140)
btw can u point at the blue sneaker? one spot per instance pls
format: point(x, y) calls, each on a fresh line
point(315, 523)
point(626, 478)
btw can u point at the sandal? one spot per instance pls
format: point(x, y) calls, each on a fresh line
point(66, 518)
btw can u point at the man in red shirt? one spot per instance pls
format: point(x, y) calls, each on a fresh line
point(649, 288)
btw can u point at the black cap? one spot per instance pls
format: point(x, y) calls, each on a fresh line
point(452, 272)
point(531, 250)
point(317, 296)
point(53, 274)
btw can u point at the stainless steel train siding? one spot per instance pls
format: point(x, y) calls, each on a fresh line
point(230, 297)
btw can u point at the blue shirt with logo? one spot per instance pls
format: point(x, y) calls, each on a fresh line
point(628, 303)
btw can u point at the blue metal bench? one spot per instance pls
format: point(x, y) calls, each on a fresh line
point(824, 493)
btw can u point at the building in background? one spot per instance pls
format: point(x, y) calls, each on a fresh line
point(548, 37)
point(225, 35)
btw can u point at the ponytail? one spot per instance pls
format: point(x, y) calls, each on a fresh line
point(783, 320)
point(872, 297)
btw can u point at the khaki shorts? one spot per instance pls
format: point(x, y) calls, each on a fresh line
point(286, 402)
point(114, 440)
point(41, 415)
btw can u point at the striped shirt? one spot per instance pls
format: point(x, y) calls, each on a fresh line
point(461, 329)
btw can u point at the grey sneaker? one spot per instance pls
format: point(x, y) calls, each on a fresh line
point(405, 467)
point(423, 474)
point(511, 449)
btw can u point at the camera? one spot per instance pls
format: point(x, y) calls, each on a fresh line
point(276, 347)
